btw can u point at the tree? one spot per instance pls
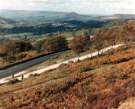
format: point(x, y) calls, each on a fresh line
point(98, 44)
point(9, 48)
point(80, 44)
point(54, 44)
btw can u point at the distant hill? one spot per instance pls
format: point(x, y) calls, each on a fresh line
point(48, 28)
point(42, 22)
point(3, 21)
point(6, 21)
point(43, 16)
point(34, 17)
point(119, 16)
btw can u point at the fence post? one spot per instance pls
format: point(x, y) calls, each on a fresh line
point(13, 76)
point(22, 77)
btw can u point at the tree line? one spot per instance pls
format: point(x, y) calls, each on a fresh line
point(84, 42)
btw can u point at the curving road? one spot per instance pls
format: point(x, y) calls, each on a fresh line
point(5, 74)
point(20, 67)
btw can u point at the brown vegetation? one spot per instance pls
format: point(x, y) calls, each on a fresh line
point(80, 44)
point(54, 44)
point(12, 47)
point(124, 33)
point(13, 51)
point(100, 83)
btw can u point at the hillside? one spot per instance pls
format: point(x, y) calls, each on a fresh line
point(50, 28)
point(59, 26)
point(47, 22)
point(51, 16)
point(5, 20)
point(43, 16)
point(119, 16)
point(100, 83)
point(6, 23)
point(124, 32)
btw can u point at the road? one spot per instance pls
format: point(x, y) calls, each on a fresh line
point(25, 65)
point(5, 74)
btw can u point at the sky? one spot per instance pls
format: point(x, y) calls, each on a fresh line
point(79, 6)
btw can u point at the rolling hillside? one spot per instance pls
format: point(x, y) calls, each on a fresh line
point(45, 22)
point(43, 16)
point(24, 17)
point(5, 22)
point(124, 32)
point(99, 83)
point(105, 81)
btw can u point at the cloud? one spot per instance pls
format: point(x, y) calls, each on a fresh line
point(80, 6)
point(48, 1)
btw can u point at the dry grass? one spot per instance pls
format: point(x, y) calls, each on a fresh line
point(128, 104)
point(100, 83)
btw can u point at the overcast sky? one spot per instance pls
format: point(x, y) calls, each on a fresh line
point(80, 6)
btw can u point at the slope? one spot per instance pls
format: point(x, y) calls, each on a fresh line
point(98, 83)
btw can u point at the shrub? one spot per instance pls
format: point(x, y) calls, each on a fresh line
point(11, 47)
point(34, 75)
point(14, 81)
point(80, 44)
point(54, 44)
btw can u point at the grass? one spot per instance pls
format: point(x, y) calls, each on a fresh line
point(99, 83)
